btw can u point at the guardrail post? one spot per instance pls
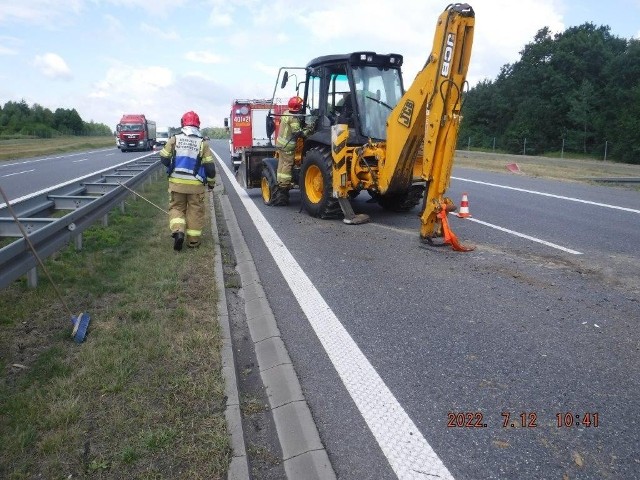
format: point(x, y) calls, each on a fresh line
point(32, 278)
point(105, 220)
point(77, 242)
point(122, 207)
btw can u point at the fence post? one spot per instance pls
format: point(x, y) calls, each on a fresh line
point(605, 150)
point(525, 147)
point(494, 144)
point(562, 151)
point(469, 144)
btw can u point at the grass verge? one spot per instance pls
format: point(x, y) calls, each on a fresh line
point(574, 169)
point(33, 147)
point(143, 396)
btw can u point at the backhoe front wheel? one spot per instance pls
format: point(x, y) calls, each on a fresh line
point(316, 184)
point(272, 193)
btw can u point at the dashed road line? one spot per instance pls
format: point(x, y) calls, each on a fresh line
point(497, 227)
point(528, 237)
point(17, 173)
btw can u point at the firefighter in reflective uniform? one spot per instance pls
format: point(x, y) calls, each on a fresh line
point(190, 168)
point(289, 130)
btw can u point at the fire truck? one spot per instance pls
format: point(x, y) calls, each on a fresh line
point(249, 141)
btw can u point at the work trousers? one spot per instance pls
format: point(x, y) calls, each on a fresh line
point(285, 167)
point(186, 211)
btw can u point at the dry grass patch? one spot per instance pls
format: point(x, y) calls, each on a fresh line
point(559, 168)
point(34, 147)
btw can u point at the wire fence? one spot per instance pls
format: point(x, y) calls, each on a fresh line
point(527, 146)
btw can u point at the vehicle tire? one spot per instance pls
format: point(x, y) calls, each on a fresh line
point(316, 184)
point(402, 202)
point(271, 192)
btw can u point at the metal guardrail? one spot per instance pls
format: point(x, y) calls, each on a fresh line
point(87, 200)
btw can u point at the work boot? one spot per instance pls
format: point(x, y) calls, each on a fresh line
point(178, 240)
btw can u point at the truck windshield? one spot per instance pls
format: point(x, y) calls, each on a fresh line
point(131, 127)
point(377, 93)
point(162, 135)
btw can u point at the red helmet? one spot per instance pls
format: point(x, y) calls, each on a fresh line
point(190, 119)
point(295, 104)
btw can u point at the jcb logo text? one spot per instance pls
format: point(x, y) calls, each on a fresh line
point(448, 55)
point(406, 113)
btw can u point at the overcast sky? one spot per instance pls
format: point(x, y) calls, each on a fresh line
point(164, 57)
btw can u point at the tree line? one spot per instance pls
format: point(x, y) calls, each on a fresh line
point(18, 119)
point(576, 91)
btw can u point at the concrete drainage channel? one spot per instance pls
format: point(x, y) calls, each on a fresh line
point(273, 433)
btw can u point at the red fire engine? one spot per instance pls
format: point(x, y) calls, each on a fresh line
point(249, 142)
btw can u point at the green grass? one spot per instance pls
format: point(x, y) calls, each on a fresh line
point(143, 396)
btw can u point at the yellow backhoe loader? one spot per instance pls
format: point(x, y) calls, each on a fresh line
point(369, 133)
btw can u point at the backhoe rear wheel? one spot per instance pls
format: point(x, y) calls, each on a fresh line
point(316, 184)
point(272, 193)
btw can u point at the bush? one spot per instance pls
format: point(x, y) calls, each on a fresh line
point(37, 130)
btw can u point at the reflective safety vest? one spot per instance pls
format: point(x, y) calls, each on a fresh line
point(289, 126)
point(187, 163)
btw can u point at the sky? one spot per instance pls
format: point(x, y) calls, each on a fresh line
point(162, 58)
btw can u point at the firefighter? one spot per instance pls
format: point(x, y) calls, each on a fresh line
point(190, 167)
point(289, 130)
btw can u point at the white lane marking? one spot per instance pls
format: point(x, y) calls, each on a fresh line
point(561, 197)
point(17, 173)
point(528, 237)
point(502, 229)
point(80, 160)
point(26, 162)
point(75, 180)
point(409, 454)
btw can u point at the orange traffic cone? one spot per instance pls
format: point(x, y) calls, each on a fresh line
point(464, 207)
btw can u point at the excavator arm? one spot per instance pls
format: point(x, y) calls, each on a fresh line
point(423, 127)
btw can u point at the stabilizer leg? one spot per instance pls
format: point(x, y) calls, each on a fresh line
point(350, 217)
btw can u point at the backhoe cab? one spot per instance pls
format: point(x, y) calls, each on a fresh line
point(369, 133)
